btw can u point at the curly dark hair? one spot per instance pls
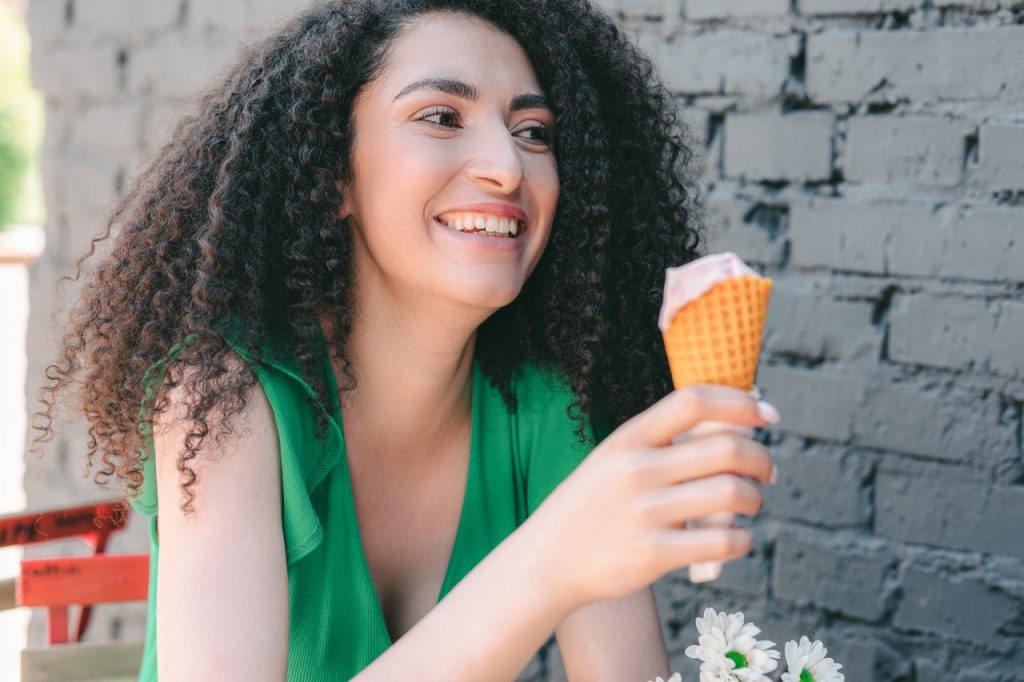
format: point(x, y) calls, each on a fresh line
point(238, 216)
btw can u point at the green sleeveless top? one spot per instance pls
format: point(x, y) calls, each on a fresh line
point(336, 624)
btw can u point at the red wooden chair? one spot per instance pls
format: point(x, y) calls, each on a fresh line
point(56, 583)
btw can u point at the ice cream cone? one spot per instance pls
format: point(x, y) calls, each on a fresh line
point(716, 338)
point(712, 320)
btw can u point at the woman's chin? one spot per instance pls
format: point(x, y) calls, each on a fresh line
point(491, 296)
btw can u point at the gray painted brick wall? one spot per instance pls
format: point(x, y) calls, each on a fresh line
point(866, 154)
point(760, 146)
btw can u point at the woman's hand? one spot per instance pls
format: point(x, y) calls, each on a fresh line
point(617, 523)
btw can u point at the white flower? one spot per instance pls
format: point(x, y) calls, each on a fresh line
point(729, 651)
point(677, 677)
point(807, 663)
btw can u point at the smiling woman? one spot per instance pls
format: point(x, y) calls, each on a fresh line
point(413, 249)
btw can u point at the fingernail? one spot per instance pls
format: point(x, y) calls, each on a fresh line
point(768, 412)
point(742, 536)
point(773, 478)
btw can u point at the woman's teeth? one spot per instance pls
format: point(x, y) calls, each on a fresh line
point(490, 225)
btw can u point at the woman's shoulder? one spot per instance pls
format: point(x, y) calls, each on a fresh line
point(274, 347)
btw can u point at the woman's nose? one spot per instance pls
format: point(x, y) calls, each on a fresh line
point(498, 161)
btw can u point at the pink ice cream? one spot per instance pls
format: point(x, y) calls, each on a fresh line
point(688, 282)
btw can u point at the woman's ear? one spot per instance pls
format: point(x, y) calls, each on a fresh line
point(344, 209)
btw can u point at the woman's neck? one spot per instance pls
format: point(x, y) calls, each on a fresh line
point(413, 370)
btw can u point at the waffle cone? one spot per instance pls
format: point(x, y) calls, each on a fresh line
point(716, 338)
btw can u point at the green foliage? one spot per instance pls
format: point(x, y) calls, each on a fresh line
point(20, 126)
point(14, 162)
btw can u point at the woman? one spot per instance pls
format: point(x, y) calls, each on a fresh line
point(390, 286)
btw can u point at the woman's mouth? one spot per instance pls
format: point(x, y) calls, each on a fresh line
point(499, 228)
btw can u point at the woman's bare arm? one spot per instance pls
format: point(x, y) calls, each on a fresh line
point(614, 639)
point(222, 587)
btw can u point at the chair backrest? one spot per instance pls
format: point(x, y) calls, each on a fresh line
point(87, 522)
point(50, 582)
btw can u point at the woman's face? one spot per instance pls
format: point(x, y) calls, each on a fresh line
point(427, 158)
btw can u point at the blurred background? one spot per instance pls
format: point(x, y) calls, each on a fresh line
point(22, 215)
point(868, 155)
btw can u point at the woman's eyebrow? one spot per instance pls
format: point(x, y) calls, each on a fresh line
point(462, 89)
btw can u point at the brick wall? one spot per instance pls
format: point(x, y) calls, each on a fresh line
point(866, 154)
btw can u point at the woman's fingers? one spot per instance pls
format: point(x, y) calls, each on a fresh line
point(723, 453)
point(681, 410)
point(716, 520)
point(677, 504)
point(686, 547)
point(710, 428)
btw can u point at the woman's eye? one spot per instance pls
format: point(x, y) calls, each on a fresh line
point(443, 113)
point(542, 134)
